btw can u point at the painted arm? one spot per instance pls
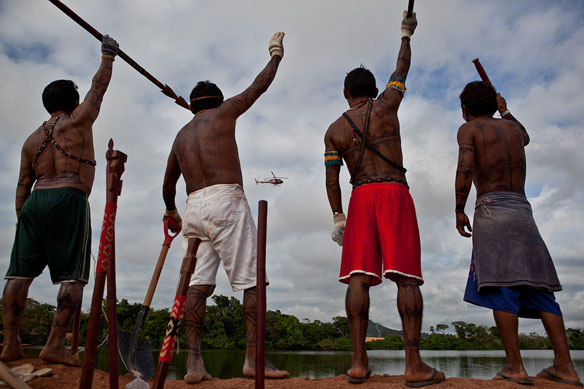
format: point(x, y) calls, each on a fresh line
point(26, 180)
point(333, 163)
point(397, 79)
point(506, 114)
point(171, 177)
point(92, 102)
point(237, 105)
point(463, 181)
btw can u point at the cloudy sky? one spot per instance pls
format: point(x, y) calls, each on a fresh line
point(532, 51)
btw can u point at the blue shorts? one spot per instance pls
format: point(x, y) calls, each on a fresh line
point(523, 301)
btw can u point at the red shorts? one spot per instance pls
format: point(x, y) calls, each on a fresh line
point(381, 228)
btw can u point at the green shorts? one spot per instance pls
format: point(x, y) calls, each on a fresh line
point(54, 229)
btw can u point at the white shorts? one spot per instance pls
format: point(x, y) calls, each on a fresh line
point(219, 215)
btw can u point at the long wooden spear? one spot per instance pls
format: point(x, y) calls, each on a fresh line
point(410, 8)
point(163, 87)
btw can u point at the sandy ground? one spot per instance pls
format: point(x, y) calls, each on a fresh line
point(68, 378)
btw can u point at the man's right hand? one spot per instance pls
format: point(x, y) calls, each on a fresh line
point(174, 216)
point(408, 25)
point(462, 222)
point(109, 47)
point(338, 233)
point(276, 47)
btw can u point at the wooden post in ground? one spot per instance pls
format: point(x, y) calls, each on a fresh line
point(187, 269)
point(261, 295)
point(115, 168)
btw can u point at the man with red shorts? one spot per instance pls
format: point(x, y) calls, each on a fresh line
point(381, 234)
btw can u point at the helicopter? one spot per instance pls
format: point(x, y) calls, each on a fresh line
point(276, 181)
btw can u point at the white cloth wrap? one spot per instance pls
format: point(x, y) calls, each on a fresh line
point(220, 216)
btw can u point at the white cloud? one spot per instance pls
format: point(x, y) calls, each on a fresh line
point(531, 52)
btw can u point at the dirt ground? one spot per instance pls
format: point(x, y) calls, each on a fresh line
point(68, 378)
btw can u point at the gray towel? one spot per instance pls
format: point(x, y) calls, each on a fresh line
point(508, 248)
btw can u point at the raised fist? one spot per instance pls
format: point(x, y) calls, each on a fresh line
point(109, 47)
point(276, 46)
point(408, 25)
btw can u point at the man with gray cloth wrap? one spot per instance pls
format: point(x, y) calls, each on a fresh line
point(511, 272)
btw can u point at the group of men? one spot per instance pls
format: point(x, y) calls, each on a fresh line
point(511, 271)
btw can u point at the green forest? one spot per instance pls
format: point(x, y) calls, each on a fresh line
point(224, 329)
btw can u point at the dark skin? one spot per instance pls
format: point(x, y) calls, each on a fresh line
point(73, 131)
point(383, 134)
point(492, 156)
point(205, 153)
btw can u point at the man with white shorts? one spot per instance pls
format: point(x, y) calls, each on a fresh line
point(205, 153)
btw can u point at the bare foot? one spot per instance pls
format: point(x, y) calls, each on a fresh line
point(196, 371)
point(60, 355)
point(359, 372)
point(423, 374)
point(270, 371)
point(564, 374)
point(12, 353)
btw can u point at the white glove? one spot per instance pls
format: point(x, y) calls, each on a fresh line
point(109, 47)
point(339, 231)
point(276, 46)
point(174, 216)
point(408, 25)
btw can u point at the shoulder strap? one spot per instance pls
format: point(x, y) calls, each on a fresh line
point(366, 143)
point(49, 139)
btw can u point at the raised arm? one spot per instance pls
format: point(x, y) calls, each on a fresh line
point(506, 114)
point(464, 172)
point(26, 180)
point(237, 105)
point(92, 102)
point(397, 79)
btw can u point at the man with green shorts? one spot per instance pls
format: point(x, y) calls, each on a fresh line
point(53, 220)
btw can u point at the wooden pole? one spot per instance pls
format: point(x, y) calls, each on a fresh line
point(112, 321)
point(163, 87)
point(115, 168)
point(261, 295)
point(481, 72)
point(410, 8)
point(187, 269)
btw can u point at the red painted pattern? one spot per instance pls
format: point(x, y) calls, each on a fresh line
point(106, 241)
point(172, 329)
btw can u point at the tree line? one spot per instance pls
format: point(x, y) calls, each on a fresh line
point(224, 329)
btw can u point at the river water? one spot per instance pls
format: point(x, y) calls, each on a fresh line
point(226, 364)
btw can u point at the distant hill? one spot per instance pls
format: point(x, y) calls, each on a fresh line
point(378, 331)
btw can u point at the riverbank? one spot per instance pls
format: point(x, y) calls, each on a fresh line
point(64, 377)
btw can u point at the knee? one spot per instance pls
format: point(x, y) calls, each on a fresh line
point(204, 290)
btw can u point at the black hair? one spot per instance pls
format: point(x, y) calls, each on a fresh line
point(60, 95)
point(205, 95)
point(479, 98)
point(360, 82)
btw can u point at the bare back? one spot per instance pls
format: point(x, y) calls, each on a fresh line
point(499, 155)
point(205, 151)
point(383, 134)
point(50, 167)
